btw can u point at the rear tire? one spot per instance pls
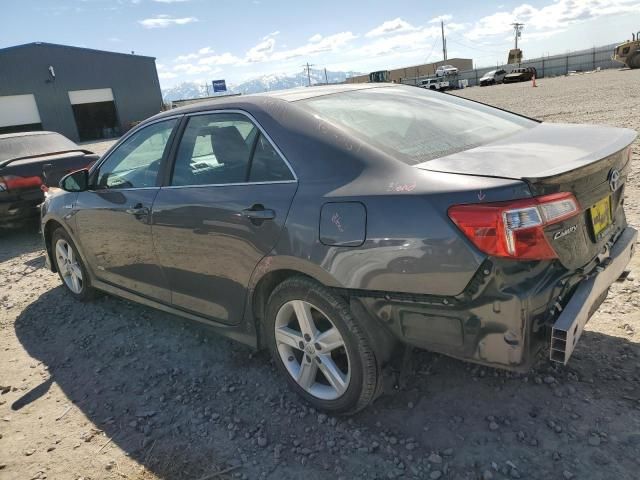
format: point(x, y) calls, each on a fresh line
point(327, 357)
point(70, 267)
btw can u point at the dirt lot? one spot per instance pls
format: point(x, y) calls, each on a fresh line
point(112, 390)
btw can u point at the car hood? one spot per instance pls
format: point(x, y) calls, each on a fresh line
point(543, 151)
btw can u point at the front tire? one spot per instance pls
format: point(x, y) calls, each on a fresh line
point(70, 267)
point(323, 351)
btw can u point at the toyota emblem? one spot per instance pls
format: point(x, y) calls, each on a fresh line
point(614, 179)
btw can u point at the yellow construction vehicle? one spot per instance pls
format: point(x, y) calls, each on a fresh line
point(629, 52)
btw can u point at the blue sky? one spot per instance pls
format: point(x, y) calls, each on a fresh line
point(201, 40)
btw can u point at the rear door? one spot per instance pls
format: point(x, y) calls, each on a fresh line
point(113, 219)
point(223, 210)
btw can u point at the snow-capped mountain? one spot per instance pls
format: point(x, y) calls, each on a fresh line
point(264, 83)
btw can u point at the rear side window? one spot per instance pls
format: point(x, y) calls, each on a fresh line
point(413, 124)
point(225, 148)
point(267, 165)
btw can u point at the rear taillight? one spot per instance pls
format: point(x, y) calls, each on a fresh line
point(13, 182)
point(514, 229)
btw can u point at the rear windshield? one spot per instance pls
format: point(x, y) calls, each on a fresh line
point(21, 146)
point(415, 125)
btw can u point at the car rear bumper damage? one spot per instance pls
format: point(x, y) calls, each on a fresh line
point(504, 317)
point(588, 296)
point(17, 208)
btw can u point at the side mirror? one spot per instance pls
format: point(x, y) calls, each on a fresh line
point(77, 181)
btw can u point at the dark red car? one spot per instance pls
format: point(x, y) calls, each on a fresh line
point(30, 162)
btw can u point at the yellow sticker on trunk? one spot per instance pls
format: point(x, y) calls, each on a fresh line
point(601, 216)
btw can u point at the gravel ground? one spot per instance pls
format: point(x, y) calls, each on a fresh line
point(112, 390)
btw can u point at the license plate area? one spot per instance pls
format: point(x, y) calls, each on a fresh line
point(601, 218)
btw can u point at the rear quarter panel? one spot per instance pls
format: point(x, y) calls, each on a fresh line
point(410, 246)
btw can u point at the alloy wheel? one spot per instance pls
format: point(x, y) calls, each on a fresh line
point(68, 266)
point(312, 350)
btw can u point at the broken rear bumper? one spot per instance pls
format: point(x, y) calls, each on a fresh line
point(504, 317)
point(588, 296)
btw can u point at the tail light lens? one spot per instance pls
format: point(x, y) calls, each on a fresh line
point(13, 182)
point(514, 229)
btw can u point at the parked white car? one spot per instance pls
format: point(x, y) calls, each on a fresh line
point(435, 84)
point(493, 77)
point(444, 70)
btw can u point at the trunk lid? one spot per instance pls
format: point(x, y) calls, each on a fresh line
point(552, 158)
point(48, 168)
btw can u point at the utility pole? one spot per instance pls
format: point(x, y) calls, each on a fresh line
point(307, 66)
point(206, 86)
point(326, 80)
point(444, 41)
point(517, 29)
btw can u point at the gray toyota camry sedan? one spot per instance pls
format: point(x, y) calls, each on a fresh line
point(333, 225)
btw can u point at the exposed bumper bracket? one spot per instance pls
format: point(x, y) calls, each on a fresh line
point(567, 329)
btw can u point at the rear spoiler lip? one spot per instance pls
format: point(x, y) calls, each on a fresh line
point(529, 180)
point(625, 139)
point(9, 161)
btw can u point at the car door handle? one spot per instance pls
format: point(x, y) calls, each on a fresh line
point(138, 209)
point(258, 212)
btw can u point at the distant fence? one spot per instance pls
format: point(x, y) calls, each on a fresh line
point(549, 66)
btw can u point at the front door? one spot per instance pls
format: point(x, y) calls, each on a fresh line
point(113, 219)
point(224, 210)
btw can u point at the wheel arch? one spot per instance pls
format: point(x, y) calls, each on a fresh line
point(51, 226)
point(267, 281)
point(271, 272)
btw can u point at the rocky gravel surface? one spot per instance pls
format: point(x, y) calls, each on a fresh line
point(111, 390)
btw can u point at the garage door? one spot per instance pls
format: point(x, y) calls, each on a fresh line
point(19, 113)
point(95, 113)
point(90, 96)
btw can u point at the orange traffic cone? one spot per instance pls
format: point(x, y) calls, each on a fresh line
point(533, 80)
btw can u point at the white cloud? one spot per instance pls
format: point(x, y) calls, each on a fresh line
point(167, 75)
point(396, 25)
point(557, 15)
point(441, 18)
point(191, 69)
point(329, 43)
point(420, 39)
point(163, 21)
point(261, 51)
point(223, 59)
point(272, 34)
point(170, 1)
point(316, 38)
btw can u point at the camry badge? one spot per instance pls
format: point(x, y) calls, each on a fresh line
point(614, 179)
point(565, 232)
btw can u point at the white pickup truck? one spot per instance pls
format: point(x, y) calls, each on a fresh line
point(435, 84)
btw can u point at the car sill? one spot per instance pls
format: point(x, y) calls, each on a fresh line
point(231, 331)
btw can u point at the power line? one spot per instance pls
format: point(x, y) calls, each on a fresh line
point(517, 29)
point(480, 49)
point(307, 66)
point(431, 51)
point(444, 41)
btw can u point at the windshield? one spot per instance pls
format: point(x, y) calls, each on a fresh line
point(31, 145)
point(490, 74)
point(415, 125)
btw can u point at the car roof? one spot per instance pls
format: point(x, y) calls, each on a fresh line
point(257, 100)
point(27, 134)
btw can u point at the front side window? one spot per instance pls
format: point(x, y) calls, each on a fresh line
point(225, 148)
point(136, 162)
point(414, 125)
